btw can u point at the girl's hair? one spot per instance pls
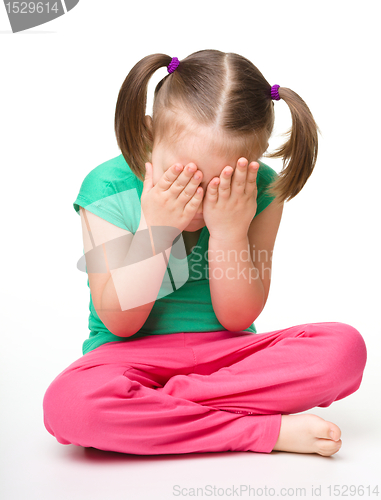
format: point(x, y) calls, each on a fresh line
point(225, 93)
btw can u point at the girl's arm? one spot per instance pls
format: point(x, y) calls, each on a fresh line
point(240, 270)
point(125, 273)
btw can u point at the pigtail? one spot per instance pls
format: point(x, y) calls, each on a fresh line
point(133, 135)
point(299, 153)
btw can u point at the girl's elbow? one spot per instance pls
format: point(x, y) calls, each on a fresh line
point(235, 325)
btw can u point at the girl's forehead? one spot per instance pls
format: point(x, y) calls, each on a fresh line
point(206, 162)
point(201, 151)
point(210, 149)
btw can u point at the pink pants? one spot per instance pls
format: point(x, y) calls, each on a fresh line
point(202, 392)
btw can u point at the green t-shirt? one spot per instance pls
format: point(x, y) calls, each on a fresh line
point(113, 192)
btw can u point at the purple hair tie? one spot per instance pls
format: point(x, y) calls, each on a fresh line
point(275, 93)
point(173, 65)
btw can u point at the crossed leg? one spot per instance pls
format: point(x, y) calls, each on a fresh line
point(204, 391)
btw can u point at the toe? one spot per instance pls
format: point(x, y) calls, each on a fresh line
point(334, 432)
point(327, 447)
point(328, 430)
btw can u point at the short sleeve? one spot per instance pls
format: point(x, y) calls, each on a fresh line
point(111, 191)
point(266, 175)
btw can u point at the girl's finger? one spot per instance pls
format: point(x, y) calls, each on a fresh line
point(224, 188)
point(169, 176)
point(251, 179)
point(148, 184)
point(240, 176)
point(212, 190)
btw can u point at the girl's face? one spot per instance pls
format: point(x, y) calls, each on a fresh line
point(194, 149)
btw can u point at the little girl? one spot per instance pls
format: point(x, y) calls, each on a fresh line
point(178, 257)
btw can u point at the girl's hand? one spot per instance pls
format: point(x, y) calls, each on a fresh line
point(230, 201)
point(174, 200)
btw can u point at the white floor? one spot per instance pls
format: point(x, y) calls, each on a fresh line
point(34, 466)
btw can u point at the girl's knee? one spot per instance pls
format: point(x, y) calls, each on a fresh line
point(350, 343)
point(79, 401)
point(52, 405)
point(62, 409)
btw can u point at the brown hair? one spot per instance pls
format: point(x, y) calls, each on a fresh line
point(221, 91)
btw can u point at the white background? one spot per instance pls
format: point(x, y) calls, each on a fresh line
point(59, 85)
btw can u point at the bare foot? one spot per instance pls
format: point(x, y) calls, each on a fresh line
point(308, 433)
